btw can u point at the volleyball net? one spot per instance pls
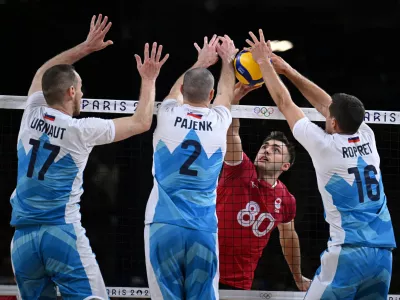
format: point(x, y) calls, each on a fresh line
point(118, 181)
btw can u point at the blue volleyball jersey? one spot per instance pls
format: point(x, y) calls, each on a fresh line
point(350, 182)
point(53, 149)
point(189, 148)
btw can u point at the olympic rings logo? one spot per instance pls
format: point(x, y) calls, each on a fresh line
point(265, 295)
point(263, 111)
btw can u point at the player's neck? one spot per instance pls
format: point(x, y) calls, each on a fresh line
point(195, 104)
point(271, 178)
point(62, 109)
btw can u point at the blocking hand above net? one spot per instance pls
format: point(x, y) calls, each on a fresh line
point(358, 261)
point(53, 149)
point(189, 145)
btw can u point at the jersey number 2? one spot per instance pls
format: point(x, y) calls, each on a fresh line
point(184, 170)
point(54, 152)
point(369, 181)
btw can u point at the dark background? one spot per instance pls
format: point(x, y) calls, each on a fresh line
point(344, 46)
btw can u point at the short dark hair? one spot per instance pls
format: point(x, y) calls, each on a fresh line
point(197, 84)
point(280, 136)
point(348, 111)
point(56, 81)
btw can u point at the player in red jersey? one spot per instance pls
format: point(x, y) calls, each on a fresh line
point(251, 202)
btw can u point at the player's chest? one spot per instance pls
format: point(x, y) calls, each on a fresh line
point(256, 209)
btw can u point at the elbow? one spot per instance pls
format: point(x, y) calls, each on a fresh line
point(145, 125)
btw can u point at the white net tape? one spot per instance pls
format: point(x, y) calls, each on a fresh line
point(238, 111)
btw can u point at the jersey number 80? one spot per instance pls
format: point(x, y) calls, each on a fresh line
point(248, 217)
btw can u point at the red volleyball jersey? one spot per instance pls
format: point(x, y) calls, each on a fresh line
point(248, 210)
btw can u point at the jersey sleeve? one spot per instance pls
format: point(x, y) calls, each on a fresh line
point(223, 114)
point(312, 137)
point(96, 131)
point(243, 169)
point(35, 100)
point(290, 208)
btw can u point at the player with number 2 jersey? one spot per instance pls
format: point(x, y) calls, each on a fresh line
point(189, 147)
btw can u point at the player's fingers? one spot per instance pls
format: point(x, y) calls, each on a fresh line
point(159, 51)
point(214, 37)
point(99, 17)
point(250, 43)
point(247, 49)
point(104, 23)
point(205, 41)
point(92, 22)
point(216, 42)
point(262, 39)
point(269, 45)
point(197, 47)
point(255, 40)
point(153, 51)
point(146, 51)
point(107, 28)
point(138, 61)
point(109, 42)
point(164, 59)
point(228, 39)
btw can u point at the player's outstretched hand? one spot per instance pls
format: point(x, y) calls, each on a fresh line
point(150, 68)
point(242, 90)
point(226, 50)
point(98, 30)
point(280, 65)
point(260, 49)
point(207, 56)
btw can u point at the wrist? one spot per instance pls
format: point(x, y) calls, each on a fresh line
point(201, 64)
point(84, 49)
point(297, 276)
point(149, 81)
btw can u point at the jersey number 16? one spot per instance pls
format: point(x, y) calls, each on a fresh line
point(369, 182)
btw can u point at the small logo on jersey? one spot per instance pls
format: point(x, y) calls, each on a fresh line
point(278, 202)
point(197, 116)
point(49, 117)
point(355, 139)
point(253, 185)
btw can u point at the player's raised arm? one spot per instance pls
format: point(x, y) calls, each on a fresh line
point(226, 84)
point(262, 53)
point(149, 71)
point(234, 151)
point(312, 92)
point(207, 56)
point(94, 42)
point(291, 250)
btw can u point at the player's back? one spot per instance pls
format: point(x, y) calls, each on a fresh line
point(53, 149)
point(189, 147)
point(350, 183)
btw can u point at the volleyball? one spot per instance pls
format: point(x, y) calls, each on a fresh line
point(247, 70)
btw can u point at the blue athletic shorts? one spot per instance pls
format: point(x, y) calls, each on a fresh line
point(352, 273)
point(181, 263)
point(46, 256)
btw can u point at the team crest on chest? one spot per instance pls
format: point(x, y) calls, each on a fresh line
point(278, 202)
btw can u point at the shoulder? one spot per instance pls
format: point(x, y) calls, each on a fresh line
point(223, 113)
point(285, 192)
